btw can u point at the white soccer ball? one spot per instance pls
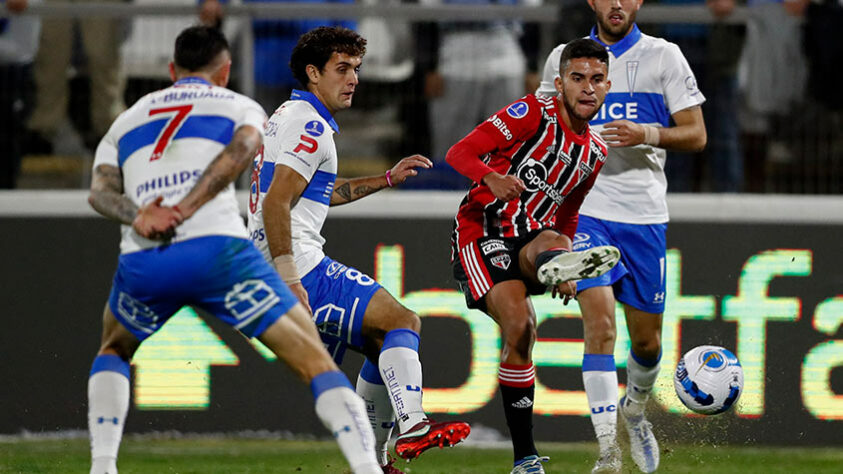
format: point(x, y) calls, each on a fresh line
point(708, 379)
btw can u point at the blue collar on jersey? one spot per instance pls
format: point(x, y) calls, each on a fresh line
point(621, 46)
point(192, 80)
point(317, 104)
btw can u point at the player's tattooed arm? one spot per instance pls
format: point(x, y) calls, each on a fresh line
point(347, 190)
point(107, 196)
point(224, 169)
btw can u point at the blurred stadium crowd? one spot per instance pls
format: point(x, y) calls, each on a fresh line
point(767, 68)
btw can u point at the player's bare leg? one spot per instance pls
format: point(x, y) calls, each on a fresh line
point(392, 334)
point(508, 303)
point(642, 372)
point(108, 393)
point(294, 339)
point(600, 377)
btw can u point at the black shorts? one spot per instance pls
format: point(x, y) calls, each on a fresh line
point(487, 261)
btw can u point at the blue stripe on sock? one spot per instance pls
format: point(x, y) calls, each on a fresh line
point(646, 362)
point(370, 373)
point(328, 380)
point(110, 363)
point(401, 338)
point(598, 362)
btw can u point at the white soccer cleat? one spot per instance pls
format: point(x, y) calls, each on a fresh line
point(609, 461)
point(530, 465)
point(580, 265)
point(643, 446)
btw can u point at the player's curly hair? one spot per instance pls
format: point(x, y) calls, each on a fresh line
point(317, 45)
point(582, 48)
point(198, 46)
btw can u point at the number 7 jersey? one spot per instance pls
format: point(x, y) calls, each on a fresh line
point(163, 144)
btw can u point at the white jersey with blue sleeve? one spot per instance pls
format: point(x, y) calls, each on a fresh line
point(651, 80)
point(299, 135)
point(163, 144)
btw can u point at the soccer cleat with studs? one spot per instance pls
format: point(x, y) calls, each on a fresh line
point(428, 434)
point(530, 465)
point(643, 446)
point(580, 265)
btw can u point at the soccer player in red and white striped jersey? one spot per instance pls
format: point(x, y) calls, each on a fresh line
point(532, 164)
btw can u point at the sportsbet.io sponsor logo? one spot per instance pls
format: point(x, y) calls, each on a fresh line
point(534, 175)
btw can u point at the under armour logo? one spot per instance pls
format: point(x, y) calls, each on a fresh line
point(102, 420)
point(413, 388)
point(658, 297)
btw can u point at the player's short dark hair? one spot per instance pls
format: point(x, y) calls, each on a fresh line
point(317, 45)
point(583, 48)
point(198, 46)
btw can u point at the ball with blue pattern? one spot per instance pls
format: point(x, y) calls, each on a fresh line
point(708, 380)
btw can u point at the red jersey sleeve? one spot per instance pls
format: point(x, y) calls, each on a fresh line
point(502, 130)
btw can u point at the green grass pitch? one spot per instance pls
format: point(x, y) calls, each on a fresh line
point(239, 455)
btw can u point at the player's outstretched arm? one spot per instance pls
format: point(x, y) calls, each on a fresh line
point(225, 168)
point(347, 190)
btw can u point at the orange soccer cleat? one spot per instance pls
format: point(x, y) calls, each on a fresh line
point(427, 434)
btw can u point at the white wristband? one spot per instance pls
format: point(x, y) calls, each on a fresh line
point(285, 265)
point(651, 135)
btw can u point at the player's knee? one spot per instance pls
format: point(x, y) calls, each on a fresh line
point(408, 320)
point(405, 319)
point(648, 349)
point(600, 330)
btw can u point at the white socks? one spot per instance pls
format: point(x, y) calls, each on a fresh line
point(370, 387)
point(344, 414)
point(600, 379)
point(401, 372)
point(641, 375)
point(108, 404)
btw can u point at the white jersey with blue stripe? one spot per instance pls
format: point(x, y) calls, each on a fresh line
point(299, 135)
point(651, 80)
point(163, 144)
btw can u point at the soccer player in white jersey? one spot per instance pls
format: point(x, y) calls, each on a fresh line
point(183, 146)
point(293, 184)
point(651, 84)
